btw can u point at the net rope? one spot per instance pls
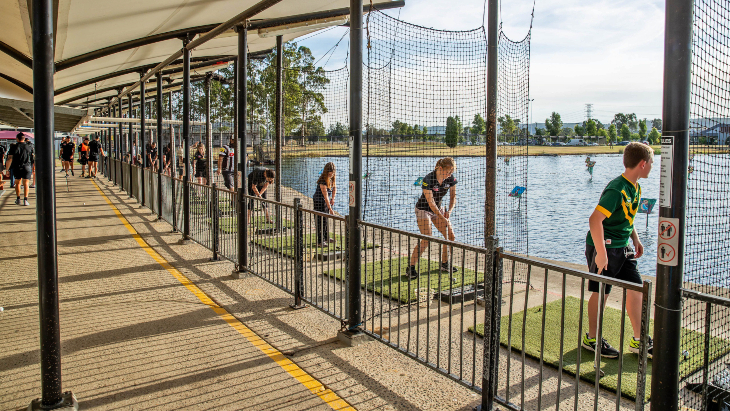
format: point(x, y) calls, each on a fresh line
point(708, 196)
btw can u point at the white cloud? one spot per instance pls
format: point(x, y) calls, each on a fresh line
point(606, 52)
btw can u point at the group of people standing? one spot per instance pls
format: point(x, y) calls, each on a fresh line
point(89, 153)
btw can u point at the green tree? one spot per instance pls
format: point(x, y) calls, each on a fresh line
point(654, 135)
point(642, 129)
point(507, 127)
point(611, 133)
point(340, 130)
point(567, 132)
point(590, 128)
point(579, 130)
point(540, 132)
point(478, 126)
point(452, 131)
point(625, 133)
point(656, 123)
point(554, 124)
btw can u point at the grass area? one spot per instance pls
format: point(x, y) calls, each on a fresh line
point(612, 324)
point(285, 245)
point(229, 225)
point(440, 149)
point(387, 277)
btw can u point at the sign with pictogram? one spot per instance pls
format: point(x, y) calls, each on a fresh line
point(668, 245)
point(665, 172)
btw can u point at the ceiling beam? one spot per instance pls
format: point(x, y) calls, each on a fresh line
point(17, 82)
point(16, 55)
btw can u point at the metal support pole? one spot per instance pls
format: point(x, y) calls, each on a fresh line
point(673, 202)
point(130, 135)
point(298, 255)
point(160, 166)
point(237, 153)
point(50, 330)
point(354, 315)
point(490, 201)
point(142, 137)
point(241, 92)
point(215, 222)
point(186, 140)
point(279, 119)
point(208, 131)
point(173, 168)
point(492, 317)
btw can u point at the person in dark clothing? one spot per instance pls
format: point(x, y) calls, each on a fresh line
point(226, 163)
point(94, 150)
point(32, 159)
point(166, 158)
point(258, 182)
point(200, 165)
point(84, 155)
point(19, 165)
point(429, 211)
point(2, 166)
point(324, 199)
point(67, 155)
point(152, 156)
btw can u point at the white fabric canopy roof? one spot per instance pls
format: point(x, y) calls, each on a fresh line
point(85, 26)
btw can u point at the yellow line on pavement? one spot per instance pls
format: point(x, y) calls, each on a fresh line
point(316, 387)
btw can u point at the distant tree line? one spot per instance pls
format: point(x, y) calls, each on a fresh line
point(623, 127)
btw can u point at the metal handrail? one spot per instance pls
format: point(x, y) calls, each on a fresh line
point(708, 298)
point(577, 273)
point(425, 237)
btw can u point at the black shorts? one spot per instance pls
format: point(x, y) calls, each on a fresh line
point(250, 202)
point(93, 158)
point(201, 172)
point(621, 266)
point(83, 161)
point(67, 158)
point(24, 172)
point(228, 179)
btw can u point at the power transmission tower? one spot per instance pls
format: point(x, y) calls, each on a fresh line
point(589, 111)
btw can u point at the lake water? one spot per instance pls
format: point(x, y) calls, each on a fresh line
point(560, 197)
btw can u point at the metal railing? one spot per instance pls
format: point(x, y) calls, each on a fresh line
point(449, 317)
point(707, 388)
point(566, 288)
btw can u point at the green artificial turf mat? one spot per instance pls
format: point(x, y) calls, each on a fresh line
point(384, 277)
point(285, 245)
point(612, 328)
point(229, 225)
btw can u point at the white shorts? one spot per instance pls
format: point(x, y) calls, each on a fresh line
point(428, 215)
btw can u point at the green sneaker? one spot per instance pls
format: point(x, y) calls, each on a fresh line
point(634, 345)
point(606, 350)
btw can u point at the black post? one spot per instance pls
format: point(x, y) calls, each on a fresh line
point(173, 168)
point(130, 135)
point(298, 255)
point(215, 221)
point(241, 92)
point(186, 140)
point(142, 136)
point(355, 192)
point(490, 201)
point(50, 331)
point(492, 317)
point(237, 153)
point(278, 119)
point(160, 167)
point(672, 202)
point(208, 132)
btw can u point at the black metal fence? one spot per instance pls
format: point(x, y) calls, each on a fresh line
point(519, 344)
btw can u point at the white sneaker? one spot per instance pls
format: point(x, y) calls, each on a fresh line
point(25, 202)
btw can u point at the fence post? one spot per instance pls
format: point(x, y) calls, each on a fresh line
point(673, 202)
point(298, 255)
point(492, 318)
point(174, 200)
point(215, 222)
point(645, 320)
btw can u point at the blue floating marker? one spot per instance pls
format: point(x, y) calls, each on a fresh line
point(418, 181)
point(646, 205)
point(366, 175)
point(517, 191)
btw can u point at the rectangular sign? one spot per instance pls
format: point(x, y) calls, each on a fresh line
point(668, 244)
point(665, 173)
point(240, 180)
point(352, 149)
point(351, 199)
point(646, 205)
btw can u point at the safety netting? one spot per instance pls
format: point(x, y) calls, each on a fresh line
point(708, 209)
point(425, 99)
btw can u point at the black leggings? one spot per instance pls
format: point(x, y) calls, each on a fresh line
point(323, 229)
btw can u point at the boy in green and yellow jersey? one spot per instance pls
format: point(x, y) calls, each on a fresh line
point(607, 245)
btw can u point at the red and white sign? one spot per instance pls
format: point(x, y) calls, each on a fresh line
point(668, 245)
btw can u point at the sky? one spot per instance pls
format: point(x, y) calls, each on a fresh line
point(607, 52)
